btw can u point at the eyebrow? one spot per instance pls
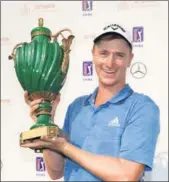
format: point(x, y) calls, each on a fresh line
point(103, 50)
point(116, 52)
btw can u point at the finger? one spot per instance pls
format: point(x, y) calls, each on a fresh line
point(32, 112)
point(32, 140)
point(47, 139)
point(36, 102)
point(26, 97)
point(34, 117)
point(27, 142)
point(31, 145)
point(37, 145)
point(33, 109)
point(56, 101)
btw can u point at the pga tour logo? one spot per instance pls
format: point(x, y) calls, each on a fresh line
point(138, 34)
point(87, 5)
point(40, 164)
point(87, 68)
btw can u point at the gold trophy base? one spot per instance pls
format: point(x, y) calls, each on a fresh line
point(36, 133)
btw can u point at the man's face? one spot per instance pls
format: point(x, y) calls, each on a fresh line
point(111, 59)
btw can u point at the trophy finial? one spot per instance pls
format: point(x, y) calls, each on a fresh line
point(41, 30)
point(40, 22)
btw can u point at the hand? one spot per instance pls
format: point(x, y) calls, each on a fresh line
point(57, 144)
point(35, 104)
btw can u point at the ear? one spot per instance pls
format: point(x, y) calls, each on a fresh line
point(131, 58)
point(93, 49)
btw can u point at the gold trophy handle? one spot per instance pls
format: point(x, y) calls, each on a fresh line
point(12, 56)
point(60, 33)
point(66, 46)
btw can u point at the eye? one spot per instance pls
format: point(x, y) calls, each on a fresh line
point(104, 53)
point(120, 55)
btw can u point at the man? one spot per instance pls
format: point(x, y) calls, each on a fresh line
point(113, 131)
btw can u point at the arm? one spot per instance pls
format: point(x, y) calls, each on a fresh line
point(55, 160)
point(105, 167)
point(54, 163)
point(136, 153)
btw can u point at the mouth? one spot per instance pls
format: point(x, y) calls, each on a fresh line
point(109, 71)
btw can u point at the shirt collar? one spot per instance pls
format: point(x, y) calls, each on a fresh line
point(91, 98)
point(121, 95)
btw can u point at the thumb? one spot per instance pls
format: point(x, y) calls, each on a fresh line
point(26, 97)
point(56, 101)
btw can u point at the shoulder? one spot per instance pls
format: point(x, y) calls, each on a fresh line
point(80, 100)
point(143, 110)
point(75, 106)
point(78, 103)
point(140, 100)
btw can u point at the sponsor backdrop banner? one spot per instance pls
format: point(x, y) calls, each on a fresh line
point(148, 21)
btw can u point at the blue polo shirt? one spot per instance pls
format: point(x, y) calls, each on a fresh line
point(126, 126)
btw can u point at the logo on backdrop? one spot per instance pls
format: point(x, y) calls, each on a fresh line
point(162, 158)
point(5, 101)
point(90, 36)
point(160, 168)
point(87, 7)
point(40, 166)
point(5, 41)
point(127, 5)
point(138, 36)
point(138, 70)
point(87, 70)
point(30, 7)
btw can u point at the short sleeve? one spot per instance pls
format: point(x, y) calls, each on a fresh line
point(140, 136)
point(73, 109)
point(66, 124)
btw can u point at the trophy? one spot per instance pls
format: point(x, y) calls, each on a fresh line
point(41, 68)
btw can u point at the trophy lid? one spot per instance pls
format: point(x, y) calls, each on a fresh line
point(41, 30)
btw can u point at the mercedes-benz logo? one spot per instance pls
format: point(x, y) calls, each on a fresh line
point(138, 70)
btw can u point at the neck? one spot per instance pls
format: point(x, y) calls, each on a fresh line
point(105, 93)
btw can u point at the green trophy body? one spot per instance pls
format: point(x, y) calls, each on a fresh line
point(41, 67)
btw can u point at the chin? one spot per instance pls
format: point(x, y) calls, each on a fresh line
point(108, 82)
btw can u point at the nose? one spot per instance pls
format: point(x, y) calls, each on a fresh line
point(110, 61)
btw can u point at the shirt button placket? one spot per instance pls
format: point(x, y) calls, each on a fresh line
point(88, 143)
